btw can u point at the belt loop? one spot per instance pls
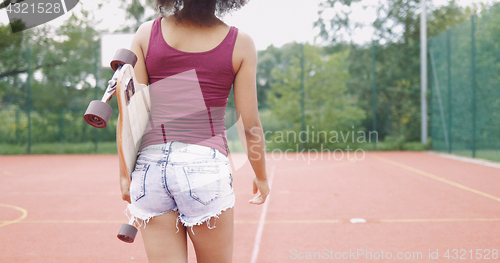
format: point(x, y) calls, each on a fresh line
point(213, 152)
point(166, 149)
point(169, 151)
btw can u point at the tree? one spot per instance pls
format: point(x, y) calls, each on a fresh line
point(62, 83)
point(397, 35)
point(328, 106)
point(13, 60)
point(62, 63)
point(137, 13)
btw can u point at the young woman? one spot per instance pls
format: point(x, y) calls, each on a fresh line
point(181, 184)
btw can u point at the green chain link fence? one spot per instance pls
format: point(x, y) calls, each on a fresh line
point(465, 94)
point(49, 126)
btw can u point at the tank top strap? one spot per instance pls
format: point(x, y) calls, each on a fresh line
point(156, 36)
point(231, 39)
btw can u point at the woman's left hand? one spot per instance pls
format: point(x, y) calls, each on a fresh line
point(125, 187)
point(262, 187)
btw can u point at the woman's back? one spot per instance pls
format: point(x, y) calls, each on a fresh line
point(189, 107)
point(191, 38)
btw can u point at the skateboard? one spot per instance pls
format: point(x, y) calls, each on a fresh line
point(134, 106)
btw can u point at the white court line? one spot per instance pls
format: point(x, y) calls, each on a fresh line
point(262, 221)
point(467, 160)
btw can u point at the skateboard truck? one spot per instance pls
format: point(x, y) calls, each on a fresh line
point(99, 112)
point(128, 231)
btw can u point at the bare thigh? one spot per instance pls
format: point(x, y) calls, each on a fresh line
point(162, 241)
point(214, 245)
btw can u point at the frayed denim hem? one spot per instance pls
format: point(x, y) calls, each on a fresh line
point(141, 219)
point(205, 219)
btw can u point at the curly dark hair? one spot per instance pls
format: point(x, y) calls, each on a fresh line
point(198, 11)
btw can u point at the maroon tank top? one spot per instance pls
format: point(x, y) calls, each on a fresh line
point(189, 92)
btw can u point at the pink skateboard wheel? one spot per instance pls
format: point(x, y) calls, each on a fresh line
point(98, 114)
point(127, 233)
point(122, 57)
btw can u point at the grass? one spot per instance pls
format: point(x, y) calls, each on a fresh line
point(234, 146)
point(60, 148)
point(110, 147)
point(491, 155)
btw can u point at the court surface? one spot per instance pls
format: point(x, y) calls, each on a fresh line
point(415, 206)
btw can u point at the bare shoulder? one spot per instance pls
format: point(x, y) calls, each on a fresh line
point(244, 42)
point(142, 35)
point(139, 46)
point(244, 50)
point(145, 27)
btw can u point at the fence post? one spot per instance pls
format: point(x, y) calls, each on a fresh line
point(60, 122)
point(374, 94)
point(423, 72)
point(302, 95)
point(28, 88)
point(473, 84)
point(18, 123)
point(95, 95)
point(448, 44)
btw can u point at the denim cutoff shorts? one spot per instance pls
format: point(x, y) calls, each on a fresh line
point(191, 179)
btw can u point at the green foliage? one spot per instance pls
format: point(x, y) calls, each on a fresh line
point(268, 59)
point(328, 106)
point(13, 62)
point(397, 34)
point(445, 17)
point(63, 65)
point(340, 25)
point(136, 12)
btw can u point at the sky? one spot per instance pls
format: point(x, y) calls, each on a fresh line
point(269, 22)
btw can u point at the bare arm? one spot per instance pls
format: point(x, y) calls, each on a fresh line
point(245, 101)
point(140, 47)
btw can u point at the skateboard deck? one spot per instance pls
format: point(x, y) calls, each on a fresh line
point(134, 106)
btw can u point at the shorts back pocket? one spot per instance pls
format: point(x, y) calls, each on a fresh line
point(138, 184)
point(204, 182)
